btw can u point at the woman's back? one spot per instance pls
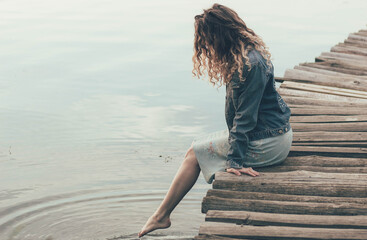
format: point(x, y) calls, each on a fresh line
point(255, 102)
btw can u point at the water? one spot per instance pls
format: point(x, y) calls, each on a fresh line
point(98, 106)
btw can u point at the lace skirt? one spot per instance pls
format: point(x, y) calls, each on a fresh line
point(211, 152)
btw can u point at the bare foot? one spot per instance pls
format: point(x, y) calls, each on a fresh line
point(154, 223)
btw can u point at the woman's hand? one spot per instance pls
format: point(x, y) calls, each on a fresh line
point(248, 171)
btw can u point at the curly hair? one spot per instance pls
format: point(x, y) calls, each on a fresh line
point(221, 42)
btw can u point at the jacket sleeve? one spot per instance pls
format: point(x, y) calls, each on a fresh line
point(246, 113)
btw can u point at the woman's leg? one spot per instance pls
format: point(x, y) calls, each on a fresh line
point(185, 178)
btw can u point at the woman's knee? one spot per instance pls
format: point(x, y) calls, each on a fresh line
point(190, 156)
point(190, 152)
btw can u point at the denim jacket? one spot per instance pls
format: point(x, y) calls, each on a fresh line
point(253, 109)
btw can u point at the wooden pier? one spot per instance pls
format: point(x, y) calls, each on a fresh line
point(320, 191)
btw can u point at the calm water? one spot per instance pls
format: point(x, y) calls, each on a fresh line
point(98, 106)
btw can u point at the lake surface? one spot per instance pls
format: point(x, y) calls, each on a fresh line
point(98, 106)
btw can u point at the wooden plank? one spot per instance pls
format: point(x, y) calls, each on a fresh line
point(328, 136)
point(326, 89)
point(332, 144)
point(322, 137)
point(330, 127)
point(362, 152)
point(354, 46)
point(291, 220)
point(280, 232)
point(288, 207)
point(328, 118)
point(327, 72)
point(293, 176)
point(322, 96)
point(224, 193)
point(361, 32)
point(319, 151)
point(345, 83)
point(309, 109)
point(343, 63)
point(302, 106)
point(282, 168)
point(317, 102)
point(349, 50)
point(313, 183)
point(336, 67)
point(214, 237)
point(357, 37)
point(352, 58)
point(324, 161)
point(355, 43)
point(316, 86)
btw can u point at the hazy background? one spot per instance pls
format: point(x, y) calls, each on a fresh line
point(98, 106)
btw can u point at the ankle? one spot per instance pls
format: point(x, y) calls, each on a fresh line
point(160, 216)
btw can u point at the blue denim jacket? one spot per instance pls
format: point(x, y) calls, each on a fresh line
point(253, 109)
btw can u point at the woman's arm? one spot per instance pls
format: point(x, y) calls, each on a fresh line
point(246, 113)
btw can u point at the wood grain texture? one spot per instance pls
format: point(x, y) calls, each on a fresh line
point(292, 220)
point(280, 232)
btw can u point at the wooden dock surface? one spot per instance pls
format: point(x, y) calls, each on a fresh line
point(320, 191)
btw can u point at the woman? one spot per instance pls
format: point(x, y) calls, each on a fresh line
point(259, 133)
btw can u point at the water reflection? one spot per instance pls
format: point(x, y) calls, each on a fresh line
point(67, 215)
point(131, 119)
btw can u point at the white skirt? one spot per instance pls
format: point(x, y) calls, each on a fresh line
point(211, 151)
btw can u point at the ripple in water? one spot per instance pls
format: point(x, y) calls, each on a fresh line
point(94, 214)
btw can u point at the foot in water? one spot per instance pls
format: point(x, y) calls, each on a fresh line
point(154, 223)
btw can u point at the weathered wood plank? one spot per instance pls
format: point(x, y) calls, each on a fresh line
point(288, 207)
point(357, 37)
point(302, 110)
point(327, 136)
point(355, 43)
point(321, 96)
point(328, 151)
point(332, 144)
point(343, 83)
point(328, 118)
point(343, 63)
point(214, 237)
point(352, 58)
point(326, 89)
point(224, 193)
point(280, 232)
point(291, 220)
point(326, 72)
point(336, 184)
point(316, 102)
point(324, 161)
point(349, 50)
point(330, 127)
point(282, 168)
point(362, 32)
point(294, 175)
point(336, 67)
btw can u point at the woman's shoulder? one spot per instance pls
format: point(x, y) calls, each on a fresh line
point(255, 57)
point(257, 60)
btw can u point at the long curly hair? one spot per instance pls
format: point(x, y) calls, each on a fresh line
point(222, 40)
